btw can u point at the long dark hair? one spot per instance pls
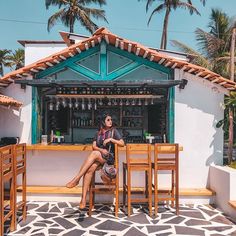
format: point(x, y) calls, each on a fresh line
point(102, 121)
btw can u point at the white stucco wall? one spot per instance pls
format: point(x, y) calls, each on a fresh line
point(18, 123)
point(198, 108)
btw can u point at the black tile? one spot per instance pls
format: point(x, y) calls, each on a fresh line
point(46, 221)
point(37, 224)
point(43, 208)
point(70, 211)
point(193, 222)
point(222, 220)
point(164, 234)
point(156, 228)
point(218, 228)
point(140, 218)
point(23, 230)
point(64, 223)
point(105, 208)
point(154, 221)
point(111, 225)
point(31, 206)
point(188, 231)
point(166, 216)
point(74, 232)
point(74, 204)
point(127, 222)
point(36, 230)
point(87, 221)
point(29, 219)
point(192, 214)
point(133, 231)
point(38, 234)
point(106, 216)
point(208, 212)
point(99, 233)
point(47, 215)
point(176, 220)
point(62, 204)
point(55, 209)
point(54, 231)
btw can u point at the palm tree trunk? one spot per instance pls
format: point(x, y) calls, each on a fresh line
point(72, 25)
point(164, 30)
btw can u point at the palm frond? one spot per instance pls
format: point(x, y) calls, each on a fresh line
point(58, 3)
point(187, 6)
point(86, 2)
point(55, 17)
point(198, 58)
point(158, 9)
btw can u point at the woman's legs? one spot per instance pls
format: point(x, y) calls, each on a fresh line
point(86, 183)
point(95, 156)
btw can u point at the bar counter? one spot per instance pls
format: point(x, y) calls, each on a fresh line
point(69, 147)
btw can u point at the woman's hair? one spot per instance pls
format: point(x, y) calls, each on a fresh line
point(103, 118)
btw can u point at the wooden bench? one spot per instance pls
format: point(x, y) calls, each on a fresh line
point(78, 190)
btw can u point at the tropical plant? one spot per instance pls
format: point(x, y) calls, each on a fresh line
point(4, 60)
point(213, 46)
point(168, 6)
point(71, 11)
point(17, 59)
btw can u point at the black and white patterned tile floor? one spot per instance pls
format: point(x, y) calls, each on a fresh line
point(64, 218)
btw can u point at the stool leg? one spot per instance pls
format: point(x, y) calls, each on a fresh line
point(172, 187)
point(13, 204)
point(146, 184)
point(124, 186)
point(129, 191)
point(177, 191)
point(1, 205)
point(150, 191)
point(155, 192)
point(117, 195)
point(24, 197)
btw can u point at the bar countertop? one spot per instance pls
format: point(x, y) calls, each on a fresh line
point(68, 147)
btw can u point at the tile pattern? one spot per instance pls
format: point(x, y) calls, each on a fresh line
point(64, 218)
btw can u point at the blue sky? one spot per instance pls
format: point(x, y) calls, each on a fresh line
point(27, 20)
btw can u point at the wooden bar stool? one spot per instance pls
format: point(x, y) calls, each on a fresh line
point(20, 170)
point(166, 158)
point(101, 188)
point(138, 158)
point(7, 176)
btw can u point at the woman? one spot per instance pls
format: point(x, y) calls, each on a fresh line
point(106, 136)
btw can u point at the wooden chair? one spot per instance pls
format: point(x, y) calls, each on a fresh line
point(20, 170)
point(101, 188)
point(166, 158)
point(7, 177)
point(138, 158)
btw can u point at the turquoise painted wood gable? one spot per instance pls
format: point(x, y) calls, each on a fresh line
point(106, 63)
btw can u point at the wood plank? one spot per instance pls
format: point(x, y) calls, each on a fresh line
point(232, 203)
point(78, 190)
point(69, 147)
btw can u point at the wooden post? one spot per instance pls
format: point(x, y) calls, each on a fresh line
point(231, 118)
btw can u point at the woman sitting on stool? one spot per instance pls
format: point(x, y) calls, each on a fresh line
point(106, 136)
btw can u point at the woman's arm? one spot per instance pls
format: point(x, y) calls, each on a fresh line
point(96, 148)
point(120, 142)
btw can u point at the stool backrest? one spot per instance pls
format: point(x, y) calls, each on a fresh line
point(166, 153)
point(138, 153)
point(20, 155)
point(7, 160)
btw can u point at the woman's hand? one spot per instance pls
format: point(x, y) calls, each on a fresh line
point(106, 141)
point(104, 152)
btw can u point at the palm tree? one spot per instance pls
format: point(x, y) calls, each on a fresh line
point(4, 60)
point(213, 46)
point(17, 59)
point(168, 6)
point(76, 10)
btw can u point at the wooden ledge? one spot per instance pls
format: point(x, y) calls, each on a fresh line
point(232, 204)
point(78, 190)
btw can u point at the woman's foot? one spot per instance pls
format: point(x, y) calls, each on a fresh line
point(82, 205)
point(72, 183)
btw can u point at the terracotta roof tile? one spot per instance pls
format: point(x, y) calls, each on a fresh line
point(124, 44)
point(8, 101)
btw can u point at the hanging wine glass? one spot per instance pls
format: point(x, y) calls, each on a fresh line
point(76, 103)
point(100, 102)
point(115, 102)
point(83, 104)
point(133, 102)
point(109, 102)
point(127, 102)
point(121, 102)
point(51, 106)
point(152, 101)
point(139, 102)
point(146, 102)
point(64, 102)
point(70, 104)
point(95, 104)
point(89, 104)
